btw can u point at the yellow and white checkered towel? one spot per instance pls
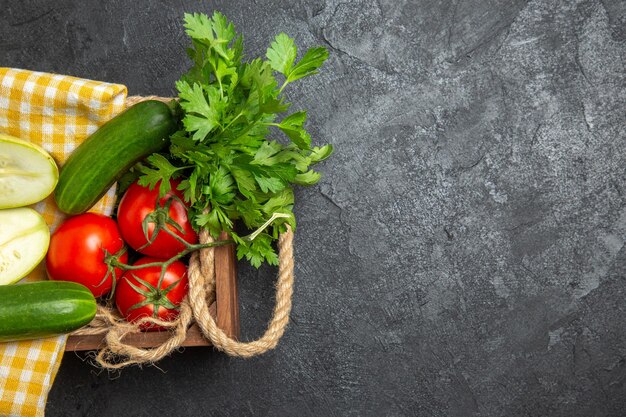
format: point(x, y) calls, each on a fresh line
point(56, 112)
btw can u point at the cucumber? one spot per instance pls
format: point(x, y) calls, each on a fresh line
point(107, 154)
point(24, 240)
point(42, 309)
point(28, 173)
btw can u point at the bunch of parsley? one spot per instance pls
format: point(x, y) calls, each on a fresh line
point(231, 170)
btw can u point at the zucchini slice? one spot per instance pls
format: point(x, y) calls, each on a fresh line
point(24, 240)
point(28, 174)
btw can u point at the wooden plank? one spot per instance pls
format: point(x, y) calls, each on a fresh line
point(145, 339)
point(226, 292)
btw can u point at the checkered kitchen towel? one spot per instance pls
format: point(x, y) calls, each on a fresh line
point(56, 112)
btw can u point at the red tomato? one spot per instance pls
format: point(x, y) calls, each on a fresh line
point(148, 298)
point(140, 202)
point(77, 251)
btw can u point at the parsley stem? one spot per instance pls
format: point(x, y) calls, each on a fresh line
point(248, 128)
point(232, 121)
point(283, 86)
point(219, 81)
point(258, 231)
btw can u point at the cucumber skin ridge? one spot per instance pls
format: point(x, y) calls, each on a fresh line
point(43, 309)
point(111, 151)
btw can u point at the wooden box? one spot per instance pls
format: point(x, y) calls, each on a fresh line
point(225, 309)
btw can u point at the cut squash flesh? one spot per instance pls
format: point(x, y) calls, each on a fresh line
point(24, 240)
point(28, 174)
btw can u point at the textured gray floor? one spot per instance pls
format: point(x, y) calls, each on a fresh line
point(464, 252)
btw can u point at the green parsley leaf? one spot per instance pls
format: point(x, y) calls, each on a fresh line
point(308, 178)
point(244, 179)
point(215, 32)
point(258, 250)
point(209, 220)
point(198, 26)
point(163, 171)
point(269, 184)
point(282, 53)
point(201, 117)
point(309, 64)
point(265, 153)
point(321, 153)
point(292, 126)
point(221, 187)
point(279, 202)
point(231, 170)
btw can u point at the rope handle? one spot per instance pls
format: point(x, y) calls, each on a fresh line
point(195, 306)
point(132, 100)
point(202, 281)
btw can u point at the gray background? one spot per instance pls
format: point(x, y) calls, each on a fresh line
point(463, 254)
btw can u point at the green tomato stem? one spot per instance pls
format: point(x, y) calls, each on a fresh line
point(114, 261)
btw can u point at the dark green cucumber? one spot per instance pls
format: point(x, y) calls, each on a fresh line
point(42, 309)
point(107, 154)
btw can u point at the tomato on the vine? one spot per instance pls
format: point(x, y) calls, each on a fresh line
point(147, 222)
point(139, 293)
point(78, 248)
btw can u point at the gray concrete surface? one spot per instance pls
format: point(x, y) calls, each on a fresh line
point(464, 252)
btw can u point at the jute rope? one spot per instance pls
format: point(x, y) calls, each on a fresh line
point(132, 100)
point(202, 283)
point(195, 307)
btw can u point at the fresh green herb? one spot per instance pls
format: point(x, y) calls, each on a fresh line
point(231, 169)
